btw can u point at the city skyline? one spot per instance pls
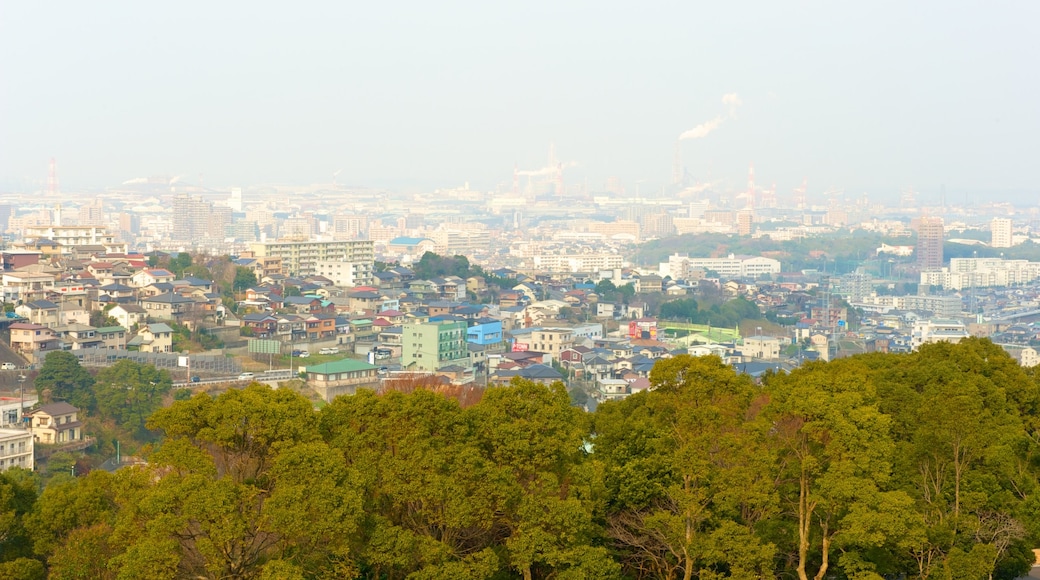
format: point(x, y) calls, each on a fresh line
point(418, 97)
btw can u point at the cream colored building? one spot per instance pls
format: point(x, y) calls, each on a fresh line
point(301, 258)
point(763, 347)
point(72, 237)
point(16, 449)
point(56, 423)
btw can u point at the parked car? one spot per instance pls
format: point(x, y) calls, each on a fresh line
point(331, 350)
point(8, 366)
point(296, 352)
point(304, 354)
point(245, 376)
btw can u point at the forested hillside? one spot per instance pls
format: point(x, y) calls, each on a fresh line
point(879, 466)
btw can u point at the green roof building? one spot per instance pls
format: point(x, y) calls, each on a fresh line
point(342, 377)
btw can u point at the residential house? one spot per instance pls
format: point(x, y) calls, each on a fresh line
point(550, 340)
point(261, 324)
point(33, 339)
point(56, 423)
point(129, 315)
point(485, 332)
point(156, 337)
point(304, 304)
point(78, 336)
point(168, 306)
point(112, 337)
point(26, 285)
point(321, 325)
point(42, 312)
point(539, 373)
point(147, 277)
point(116, 292)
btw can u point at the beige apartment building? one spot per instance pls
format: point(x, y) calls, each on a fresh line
point(301, 258)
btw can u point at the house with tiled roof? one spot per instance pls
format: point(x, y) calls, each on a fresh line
point(151, 276)
point(156, 337)
point(167, 306)
point(42, 312)
point(539, 373)
point(56, 423)
point(129, 315)
point(33, 339)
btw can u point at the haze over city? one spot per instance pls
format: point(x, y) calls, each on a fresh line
point(871, 98)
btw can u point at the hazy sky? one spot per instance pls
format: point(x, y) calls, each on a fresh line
point(874, 96)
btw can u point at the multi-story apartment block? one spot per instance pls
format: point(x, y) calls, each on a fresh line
point(548, 339)
point(429, 346)
point(679, 266)
point(301, 258)
point(576, 262)
point(346, 274)
point(1000, 229)
point(16, 449)
point(930, 235)
point(70, 239)
point(195, 219)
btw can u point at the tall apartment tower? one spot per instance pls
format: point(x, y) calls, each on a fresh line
point(1000, 228)
point(930, 234)
point(92, 214)
point(191, 218)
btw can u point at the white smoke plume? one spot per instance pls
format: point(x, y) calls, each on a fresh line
point(545, 170)
point(732, 101)
point(135, 181)
point(703, 129)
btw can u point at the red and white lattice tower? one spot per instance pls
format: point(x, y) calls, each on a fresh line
point(52, 179)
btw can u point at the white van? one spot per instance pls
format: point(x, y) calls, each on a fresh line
point(246, 376)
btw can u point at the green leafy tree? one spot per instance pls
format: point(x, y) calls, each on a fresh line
point(688, 473)
point(431, 496)
point(17, 497)
point(180, 262)
point(549, 524)
point(129, 392)
point(834, 449)
point(244, 279)
point(432, 265)
point(62, 378)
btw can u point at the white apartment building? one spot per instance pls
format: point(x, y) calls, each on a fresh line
point(981, 273)
point(1000, 228)
point(936, 330)
point(345, 274)
point(74, 236)
point(679, 266)
point(941, 306)
point(16, 449)
point(301, 258)
point(762, 347)
point(593, 262)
